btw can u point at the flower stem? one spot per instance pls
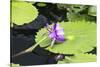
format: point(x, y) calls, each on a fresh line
point(68, 58)
point(30, 49)
point(52, 43)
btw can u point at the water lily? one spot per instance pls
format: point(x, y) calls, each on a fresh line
point(56, 33)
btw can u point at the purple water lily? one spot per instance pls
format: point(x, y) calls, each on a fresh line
point(56, 33)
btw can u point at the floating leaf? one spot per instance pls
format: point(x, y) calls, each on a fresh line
point(41, 4)
point(41, 34)
point(14, 65)
point(32, 2)
point(79, 58)
point(82, 58)
point(61, 62)
point(23, 12)
point(80, 37)
point(92, 11)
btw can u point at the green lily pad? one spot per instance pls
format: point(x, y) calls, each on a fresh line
point(92, 11)
point(82, 58)
point(41, 4)
point(23, 12)
point(80, 38)
point(78, 58)
point(61, 62)
point(14, 65)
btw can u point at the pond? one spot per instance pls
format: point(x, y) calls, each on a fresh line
point(24, 34)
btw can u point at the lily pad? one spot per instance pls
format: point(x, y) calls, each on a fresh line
point(78, 58)
point(92, 11)
point(14, 65)
point(23, 12)
point(61, 62)
point(82, 58)
point(41, 4)
point(80, 38)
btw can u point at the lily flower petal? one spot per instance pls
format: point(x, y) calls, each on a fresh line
point(57, 33)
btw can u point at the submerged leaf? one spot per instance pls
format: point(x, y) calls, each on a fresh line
point(78, 8)
point(76, 17)
point(80, 37)
point(23, 12)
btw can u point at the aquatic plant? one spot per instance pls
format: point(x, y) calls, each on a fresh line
point(78, 12)
point(75, 37)
point(79, 58)
point(80, 38)
point(23, 12)
point(14, 65)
